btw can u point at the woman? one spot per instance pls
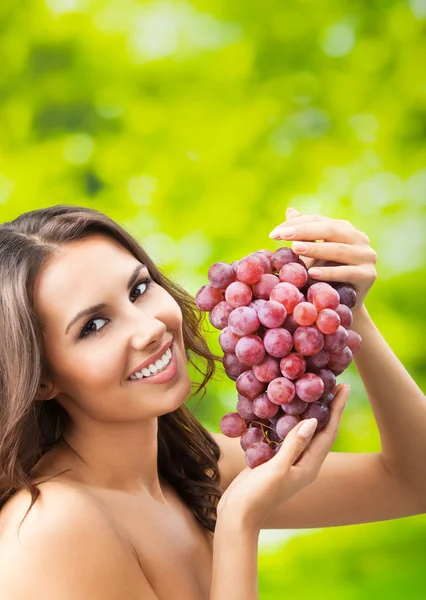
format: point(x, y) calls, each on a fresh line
point(109, 487)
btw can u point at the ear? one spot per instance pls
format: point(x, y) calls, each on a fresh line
point(47, 391)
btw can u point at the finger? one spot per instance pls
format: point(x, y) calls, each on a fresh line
point(329, 230)
point(343, 253)
point(348, 274)
point(320, 446)
point(295, 443)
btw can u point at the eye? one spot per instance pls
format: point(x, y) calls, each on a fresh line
point(86, 331)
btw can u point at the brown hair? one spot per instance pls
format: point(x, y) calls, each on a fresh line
point(187, 454)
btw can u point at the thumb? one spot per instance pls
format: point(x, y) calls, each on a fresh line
point(292, 212)
point(296, 441)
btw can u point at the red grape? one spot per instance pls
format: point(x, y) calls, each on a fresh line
point(293, 365)
point(295, 407)
point(251, 436)
point(272, 314)
point(347, 295)
point(319, 411)
point(238, 294)
point(309, 387)
point(305, 314)
point(257, 454)
point(282, 256)
point(256, 305)
point(294, 273)
point(308, 340)
point(265, 285)
point(354, 341)
point(290, 324)
point(263, 407)
point(286, 424)
point(328, 321)
point(329, 380)
point(317, 361)
point(278, 342)
point(281, 390)
point(250, 350)
point(267, 370)
point(228, 340)
point(324, 297)
point(336, 341)
point(250, 269)
point(207, 297)
point(232, 365)
point(220, 314)
point(243, 321)
point(340, 360)
point(345, 314)
point(232, 425)
point(248, 385)
point(221, 275)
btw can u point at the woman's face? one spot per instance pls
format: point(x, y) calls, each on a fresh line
point(90, 363)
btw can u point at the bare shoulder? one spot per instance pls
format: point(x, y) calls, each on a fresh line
point(66, 548)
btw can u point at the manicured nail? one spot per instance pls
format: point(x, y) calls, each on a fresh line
point(315, 272)
point(299, 246)
point(282, 232)
point(308, 428)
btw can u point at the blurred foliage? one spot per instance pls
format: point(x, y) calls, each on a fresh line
point(194, 124)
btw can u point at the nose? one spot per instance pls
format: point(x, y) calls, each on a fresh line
point(147, 331)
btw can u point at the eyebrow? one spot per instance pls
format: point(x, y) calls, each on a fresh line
point(94, 309)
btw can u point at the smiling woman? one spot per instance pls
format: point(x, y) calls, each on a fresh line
point(66, 397)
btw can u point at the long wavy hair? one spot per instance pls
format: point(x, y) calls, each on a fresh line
point(187, 454)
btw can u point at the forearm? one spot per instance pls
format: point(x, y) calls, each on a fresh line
point(398, 404)
point(234, 561)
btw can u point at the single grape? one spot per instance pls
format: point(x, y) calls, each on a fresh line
point(207, 297)
point(324, 297)
point(327, 398)
point(245, 408)
point(267, 253)
point(309, 387)
point(281, 390)
point(354, 341)
point(314, 288)
point(250, 437)
point(336, 341)
point(220, 314)
point(295, 407)
point(278, 342)
point(293, 365)
point(250, 350)
point(249, 386)
point(221, 275)
point(267, 370)
point(305, 314)
point(263, 407)
point(228, 340)
point(340, 360)
point(308, 340)
point(347, 295)
point(319, 411)
point(273, 437)
point(286, 424)
point(287, 294)
point(346, 316)
point(263, 288)
point(232, 425)
point(238, 294)
point(250, 269)
point(233, 366)
point(317, 361)
point(329, 380)
point(295, 273)
point(243, 321)
point(282, 256)
point(257, 454)
point(328, 321)
point(272, 314)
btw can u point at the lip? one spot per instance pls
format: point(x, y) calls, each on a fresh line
point(152, 358)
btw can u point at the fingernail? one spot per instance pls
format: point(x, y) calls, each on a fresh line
point(315, 272)
point(290, 210)
point(308, 428)
point(283, 232)
point(299, 246)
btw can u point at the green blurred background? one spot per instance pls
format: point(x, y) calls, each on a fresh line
point(195, 124)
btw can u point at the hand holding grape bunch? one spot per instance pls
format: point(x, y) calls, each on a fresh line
point(286, 337)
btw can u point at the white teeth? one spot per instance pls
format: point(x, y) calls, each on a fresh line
point(154, 368)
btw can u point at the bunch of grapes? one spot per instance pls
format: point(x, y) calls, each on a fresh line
point(285, 339)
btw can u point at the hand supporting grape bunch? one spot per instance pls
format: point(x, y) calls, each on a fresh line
point(285, 338)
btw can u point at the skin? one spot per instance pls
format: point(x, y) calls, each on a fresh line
point(113, 420)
